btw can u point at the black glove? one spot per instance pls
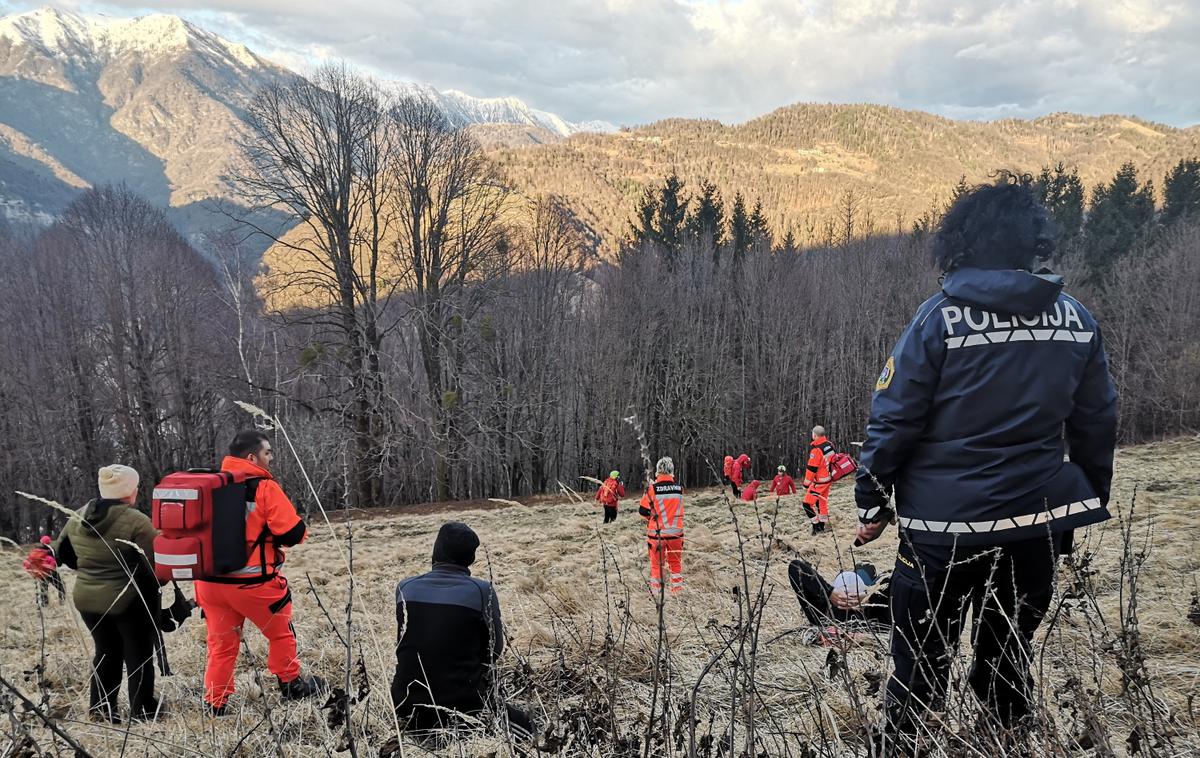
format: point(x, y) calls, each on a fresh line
point(172, 618)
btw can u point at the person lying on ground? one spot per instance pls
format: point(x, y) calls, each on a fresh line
point(858, 595)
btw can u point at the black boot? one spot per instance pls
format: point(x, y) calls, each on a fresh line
point(303, 686)
point(153, 711)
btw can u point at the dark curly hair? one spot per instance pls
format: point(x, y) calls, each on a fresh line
point(995, 226)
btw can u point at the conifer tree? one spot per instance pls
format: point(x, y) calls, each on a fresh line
point(760, 230)
point(672, 213)
point(707, 220)
point(1061, 191)
point(1181, 191)
point(641, 228)
point(739, 227)
point(960, 189)
point(1122, 211)
point(789, 243)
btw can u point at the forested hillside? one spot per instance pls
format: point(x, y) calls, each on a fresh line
point(803, 161)
point(449, 336)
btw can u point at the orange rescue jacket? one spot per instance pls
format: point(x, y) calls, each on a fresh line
point(610, 492)
point(740, 468)
point(817, 472)
point(273, 511)
point(662, 507)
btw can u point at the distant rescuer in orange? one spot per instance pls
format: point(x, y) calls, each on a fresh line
point(727, 474)
point(259, 591)
point(741, 467)
point(817, 480)
point(783, 483)
point(611, 491)
point(662, 507)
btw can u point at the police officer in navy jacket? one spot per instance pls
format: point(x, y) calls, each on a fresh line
point(993, 426)
point(449, 634)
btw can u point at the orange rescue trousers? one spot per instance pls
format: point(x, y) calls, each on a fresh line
point(669, 551)
point(816, 503)
point(226, 607)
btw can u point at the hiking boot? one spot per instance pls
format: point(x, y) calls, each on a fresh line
point(155, 712)
point(103, 715)
point(303, 686)
point(215, 711)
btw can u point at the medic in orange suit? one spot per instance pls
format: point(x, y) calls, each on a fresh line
point(817, 480)
point(258, 591)
point(662, 507)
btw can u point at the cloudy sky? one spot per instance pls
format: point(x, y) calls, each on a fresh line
point(633, 61)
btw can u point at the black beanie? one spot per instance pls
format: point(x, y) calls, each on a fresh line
point(455, 543)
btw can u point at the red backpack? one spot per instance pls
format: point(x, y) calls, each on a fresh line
point(840, 465)
point(201, 516)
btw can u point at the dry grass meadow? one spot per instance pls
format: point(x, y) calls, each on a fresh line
point(1118, 673)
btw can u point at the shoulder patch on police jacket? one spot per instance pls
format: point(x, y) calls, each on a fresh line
point(885, 377)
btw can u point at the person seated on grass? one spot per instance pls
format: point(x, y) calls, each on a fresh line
point(858, 595)
point(449, 635)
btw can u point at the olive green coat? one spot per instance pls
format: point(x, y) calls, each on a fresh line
point(95, 542)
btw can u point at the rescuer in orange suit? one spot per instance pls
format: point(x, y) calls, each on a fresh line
point(783, 484)
point(817, 480)
point(662, 507)
point(610, 493)
point(741, 467)
point(258, 592)
point(727, 474)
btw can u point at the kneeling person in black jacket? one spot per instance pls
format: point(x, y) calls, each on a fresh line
point(449, 634)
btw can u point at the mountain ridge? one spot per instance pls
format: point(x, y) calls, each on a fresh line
point(155, 102)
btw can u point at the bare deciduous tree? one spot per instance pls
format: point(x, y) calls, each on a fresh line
point(451, 244)
point(321, 149)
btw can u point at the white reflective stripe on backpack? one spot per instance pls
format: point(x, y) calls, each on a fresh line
point(165, 493)
point(176, 560)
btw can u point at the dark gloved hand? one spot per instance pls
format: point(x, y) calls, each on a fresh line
point(172, 618)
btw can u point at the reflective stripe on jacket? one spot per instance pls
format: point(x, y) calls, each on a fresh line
point(817, 471)
point(662, 507)
point(991, 384)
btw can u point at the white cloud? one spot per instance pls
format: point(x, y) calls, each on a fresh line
point(631, 61)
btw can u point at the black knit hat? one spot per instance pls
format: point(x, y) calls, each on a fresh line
point(455, 543)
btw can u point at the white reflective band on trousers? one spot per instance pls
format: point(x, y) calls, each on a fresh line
point(1016, 522)
point(666, 533)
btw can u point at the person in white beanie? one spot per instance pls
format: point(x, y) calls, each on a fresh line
point(118, 482)
point(98, 543)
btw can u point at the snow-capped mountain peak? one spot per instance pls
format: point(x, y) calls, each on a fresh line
point(70, 36)
point(463, 109)
point(157, 103)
